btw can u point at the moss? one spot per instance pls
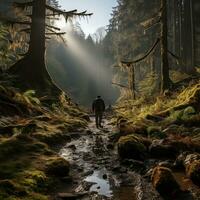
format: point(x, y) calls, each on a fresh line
point(11, 188)
point(33, 179)
point(58, 167)
point(53, 138)
point(164, 182)
point(131, 146)
point(193, 172)
point(156, 132)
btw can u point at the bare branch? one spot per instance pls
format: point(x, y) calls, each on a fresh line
point(47, 38)
point(173, 55)
point(145, 56)
point(120, 85)
point(59, 11)
point(52, 27)
point(55, 33)
point(13, 22)
point(52, 18)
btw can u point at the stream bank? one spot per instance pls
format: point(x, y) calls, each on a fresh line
point(97, 170)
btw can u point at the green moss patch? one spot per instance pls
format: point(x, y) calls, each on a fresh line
point(131, 146)
point(58, 167)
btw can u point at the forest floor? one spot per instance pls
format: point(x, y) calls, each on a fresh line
point(98, 172)
point(145, 150)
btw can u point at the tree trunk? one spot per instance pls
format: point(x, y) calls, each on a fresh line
point(165, 80)
point(31, 70)
point(187, 35)
point(132, 80)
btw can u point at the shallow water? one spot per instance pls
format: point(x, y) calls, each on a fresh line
point(95, 162)
point(101, 186)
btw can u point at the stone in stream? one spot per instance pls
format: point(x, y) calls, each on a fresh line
point(110, 146)
point(70, 196)
point(72, 146)
point(160, 150)
point(167, 163)
point(58, 167)
point(164, 182)
point(105, 176)
point(192, 167)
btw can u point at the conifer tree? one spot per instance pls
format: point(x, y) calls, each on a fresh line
point(31, 70)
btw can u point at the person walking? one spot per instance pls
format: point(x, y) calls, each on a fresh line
point(98, 107)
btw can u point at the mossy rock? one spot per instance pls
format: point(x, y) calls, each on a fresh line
point(160, 150)
point(34, 179)
point(164, 182)
point(193, 172)
point(131, 146)
point(155, 132)
point(11, 188)
point(58, 167)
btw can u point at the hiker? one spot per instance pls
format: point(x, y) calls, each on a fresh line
point(98, 107)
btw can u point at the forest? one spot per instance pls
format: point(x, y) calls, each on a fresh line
point(109, 115)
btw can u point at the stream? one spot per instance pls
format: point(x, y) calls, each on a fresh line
point(96, 169)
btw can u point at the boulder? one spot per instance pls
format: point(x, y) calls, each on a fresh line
point(131, 146)
point(58, 167)
point(193, 172)
point(164, 182)
point(160, 150)
point(167, 164)
point(179, 162)
point(192, 167)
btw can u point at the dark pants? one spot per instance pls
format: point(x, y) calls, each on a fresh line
point(98, 118)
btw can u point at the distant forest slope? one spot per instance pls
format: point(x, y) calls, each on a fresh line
point(81, 67)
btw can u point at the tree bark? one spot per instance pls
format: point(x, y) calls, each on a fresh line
point(165, 80)
point(31, 70)
point(187, 38)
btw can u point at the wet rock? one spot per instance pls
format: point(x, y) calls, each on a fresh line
point(110, 146)
point(75, 135)
point(88, 173)
point(159, 150)
point(67, 179)
point(179, 162)
point(116, 169)
point(193, 172)
point(192, 167)
point(134, 165)
point(70, 196)
point(191, 158)
point(73, 147)
point(58, 167)
point(89, 132)
point(131, 146)
point(164, 182)
point(167, 164)
point(105, 176)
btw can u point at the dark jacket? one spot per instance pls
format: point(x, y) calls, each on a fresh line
point(98, 105)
